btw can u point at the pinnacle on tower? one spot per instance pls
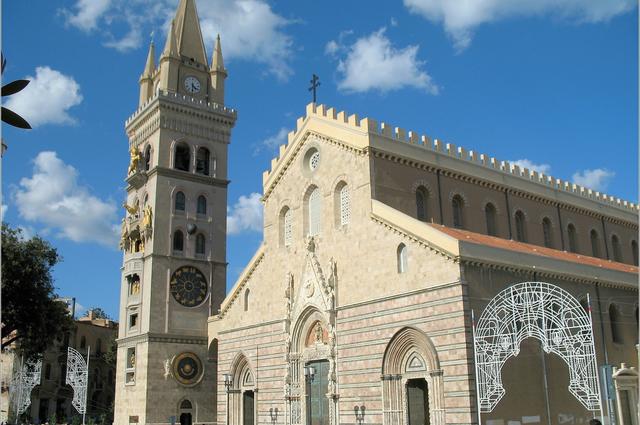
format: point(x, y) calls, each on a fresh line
point(188, 33)
point(170, 47)
point(150, 66)
point(217, 63)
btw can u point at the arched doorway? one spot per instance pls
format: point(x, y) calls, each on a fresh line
point(412, 384)
point(544, 312)
point(185, 412)
point(241, 395)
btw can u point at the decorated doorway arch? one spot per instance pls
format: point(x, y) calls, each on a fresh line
point(545, 312)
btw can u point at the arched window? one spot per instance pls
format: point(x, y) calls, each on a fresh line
point(180, 202)
point(595, 243)
point(573, 240)
point(421, 203)
point(182, 157)
point(186, 404)
point(634, 252)
point(614, 318)
point(490, 218)
point(546, 232)
point(147, 158)
point(246, 299)
point(315, 212)
point(615, 245)
point(202, 161)
point(345, 205)
point(286, 234)
point(521, 235)
point(200, 244)
point(202, 205)
point(457, 205)
point(83, 342)
point(178, 241)
point(402, 258)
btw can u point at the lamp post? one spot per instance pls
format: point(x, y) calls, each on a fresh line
point(358, 411)
point(227, 385)
point(273, 413)
point(309, 373)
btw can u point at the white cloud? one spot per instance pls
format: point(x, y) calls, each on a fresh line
point(372, 63)
point(461, 18)
point(597, 179)
point(331, 48)
point(53, 197)
point(249, 29)
point(525, 163)
point(47, 98)
point(87, 13)
point(273, 142)
point(3, 211)
point(245, 215)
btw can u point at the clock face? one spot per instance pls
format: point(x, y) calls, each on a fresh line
point(188, 286)
point(187, 368)
point(192, 84)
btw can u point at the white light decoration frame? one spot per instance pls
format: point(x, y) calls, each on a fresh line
point(25, 378)
point(78, 379)
point(545, 312)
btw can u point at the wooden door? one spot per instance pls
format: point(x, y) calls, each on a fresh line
point(418, 402)
point(248, 407)
point(318, 407)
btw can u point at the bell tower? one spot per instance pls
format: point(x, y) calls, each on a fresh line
point(174, 231)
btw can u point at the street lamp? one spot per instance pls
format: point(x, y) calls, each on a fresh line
point(358, 411)
point(273, 413)
point(228, 380)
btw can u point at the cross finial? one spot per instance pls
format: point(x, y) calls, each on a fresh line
point(315, 83)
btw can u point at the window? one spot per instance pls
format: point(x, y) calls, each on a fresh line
point(246, 299)
point(595, 243)
point(83, 342)
point(130, 366)
point(63, 374)
point(200, 244)
point(133, 320)
point(178, 241)
point(186, 404)
point(490, 217)
point(147, 158)
point(546, 232)
point(314, 160)
point(520, 227)
point(615, 245)
point(345, 205)
point(202, 161)
point(634, 252)
point(286, 224)
point(180, 202)
point(202, 205)
point(614, 318)
point(421, 203)
point(181, 159)
point(571, 233)
point(457, 204)
point(402, 258)
point(314, 212)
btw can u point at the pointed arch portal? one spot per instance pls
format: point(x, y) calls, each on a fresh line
point(545, 312)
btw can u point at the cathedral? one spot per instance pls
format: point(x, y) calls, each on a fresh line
point(400, 281)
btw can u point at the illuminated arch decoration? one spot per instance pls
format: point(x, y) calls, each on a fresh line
point(548, 313)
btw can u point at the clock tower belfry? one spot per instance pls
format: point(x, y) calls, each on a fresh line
point(174, 231)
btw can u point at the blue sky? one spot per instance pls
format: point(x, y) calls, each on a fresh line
point(550, 83)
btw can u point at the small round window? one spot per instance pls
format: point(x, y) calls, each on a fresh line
point(314, 160)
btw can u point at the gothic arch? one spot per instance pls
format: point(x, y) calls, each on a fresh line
point(545, 312)
point(410, 354)
point(240, 367)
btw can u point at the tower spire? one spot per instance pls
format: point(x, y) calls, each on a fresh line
point(218, 74)
point(170, 46)
point(188, 33)
point(146, 79)
point(150, 66)
point(217, 63)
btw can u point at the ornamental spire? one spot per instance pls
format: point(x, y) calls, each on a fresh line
point(170, 47)
point(217, 63)
point(150, 66)
point(188, 33)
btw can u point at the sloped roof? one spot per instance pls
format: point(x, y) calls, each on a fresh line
point(511, 245)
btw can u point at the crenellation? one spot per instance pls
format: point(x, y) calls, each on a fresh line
point(331, 113)
point(437, 145)
point(414, 139)
point(283, 147)
point(342, 117)
point(369, 124)
point(426, 142)
point(299, 123)
point(462, 153)
point(353, 120)
point(451, 150)
point(400, 134)
point(290, 136)
point(386, 129)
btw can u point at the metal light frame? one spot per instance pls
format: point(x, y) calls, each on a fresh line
point(545, 312)
point(25, 378)
point(78, 379)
